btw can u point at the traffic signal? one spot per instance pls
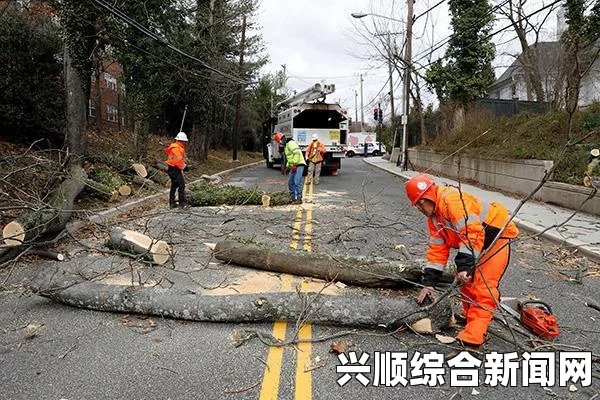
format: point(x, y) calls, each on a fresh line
point(376, 114)
point(350, 121)
point(380, 115)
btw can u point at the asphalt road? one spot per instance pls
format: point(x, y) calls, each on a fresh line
point(82, 354)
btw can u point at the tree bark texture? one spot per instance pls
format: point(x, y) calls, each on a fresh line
point(369, 272)
point(77, 100)
point(373, 310)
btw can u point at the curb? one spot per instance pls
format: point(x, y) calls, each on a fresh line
point(111, 212)
point(578, 244)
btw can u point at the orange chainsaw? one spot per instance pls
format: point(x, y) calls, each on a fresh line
point(538, 318)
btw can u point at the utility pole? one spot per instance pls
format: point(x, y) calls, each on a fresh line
point(362, 109)
point(238, 101)
point(408, 68)
point(355, 106)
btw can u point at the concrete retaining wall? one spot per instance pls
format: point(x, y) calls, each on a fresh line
point(515, 176)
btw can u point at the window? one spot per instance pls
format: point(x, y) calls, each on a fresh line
point(91, 108)
point(112, 113)
point(122, 87)
point(111, 81)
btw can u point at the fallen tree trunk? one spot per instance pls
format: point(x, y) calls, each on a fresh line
point(157, 251)
point(374, 310)
point(53, 217)
point(362, 271)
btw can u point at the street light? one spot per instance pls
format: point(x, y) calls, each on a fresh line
point(407, 65)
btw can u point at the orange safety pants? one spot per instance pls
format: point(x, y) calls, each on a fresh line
point(479, 299)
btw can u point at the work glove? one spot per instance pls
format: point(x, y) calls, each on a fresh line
point(186, 168)
point(286, 171)
point(294, 168)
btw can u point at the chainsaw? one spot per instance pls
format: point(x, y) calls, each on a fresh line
point(536, 316)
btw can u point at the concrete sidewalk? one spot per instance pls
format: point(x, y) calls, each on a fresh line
point(582, 231)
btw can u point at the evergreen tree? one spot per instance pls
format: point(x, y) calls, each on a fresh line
point(467, 72)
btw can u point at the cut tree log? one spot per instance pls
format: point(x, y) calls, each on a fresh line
point(157, 251)
point(361, 271)
point(373, 310)
point(13, 234)
point(53, 255)
point(139, 169)
point(125, 190)
point(53, 216)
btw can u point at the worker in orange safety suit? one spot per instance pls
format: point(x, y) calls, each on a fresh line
point(459, 220)
point(314, 156)
point(177, 162)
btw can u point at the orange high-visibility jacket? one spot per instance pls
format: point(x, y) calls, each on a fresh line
point(176, 155)
point(464, 222)
point(315, 151)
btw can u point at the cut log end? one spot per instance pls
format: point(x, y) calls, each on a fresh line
point(157, 251)
point(161, 252)
point(140, 169)
point(13, 234)
point(124, 190)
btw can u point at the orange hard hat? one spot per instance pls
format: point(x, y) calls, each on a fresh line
point(278, 137)
point(421, 187)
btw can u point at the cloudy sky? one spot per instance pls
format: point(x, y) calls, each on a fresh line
point(318, 40)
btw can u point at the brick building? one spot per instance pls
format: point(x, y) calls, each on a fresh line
point(107, 94)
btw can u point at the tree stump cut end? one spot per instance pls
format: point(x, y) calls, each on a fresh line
point(13, 234)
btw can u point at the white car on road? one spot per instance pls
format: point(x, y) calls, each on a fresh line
point(373, 149)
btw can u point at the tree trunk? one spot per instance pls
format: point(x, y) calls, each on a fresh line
point(157, 251)
point(370, 272)
point(374, 310)
point(77, 98)
point(53, 218)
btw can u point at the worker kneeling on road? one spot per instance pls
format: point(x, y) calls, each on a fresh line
point(314, 156)
point(459, 220)
point(177, 162)
point(294, 166)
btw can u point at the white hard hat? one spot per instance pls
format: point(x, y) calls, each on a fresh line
point(315, 136)
point(181, 136)
point(595, 152)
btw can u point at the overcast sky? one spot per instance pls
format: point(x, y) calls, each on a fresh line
point(318, 40)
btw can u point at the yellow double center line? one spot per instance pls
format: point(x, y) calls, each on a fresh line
point(271, 377)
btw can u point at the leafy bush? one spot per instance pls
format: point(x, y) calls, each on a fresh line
point(32, 99)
